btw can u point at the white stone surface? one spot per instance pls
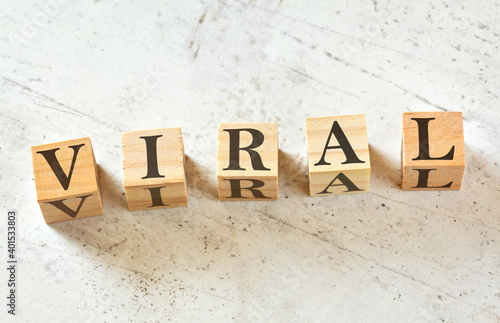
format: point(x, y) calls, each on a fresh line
point(72, 69)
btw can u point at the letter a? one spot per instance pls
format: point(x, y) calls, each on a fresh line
point(344, 144)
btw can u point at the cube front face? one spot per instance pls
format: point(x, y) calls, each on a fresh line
point(337, 183)
point(338, 155)
point(243, 188)
point(247, 161)
point(56, 211)
point(433, 151)
point(66, 179)
point(156, 197)
point(153, 169)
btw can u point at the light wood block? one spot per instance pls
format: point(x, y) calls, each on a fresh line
point(433, 151)
point(67, 180)
point(247, 161)
point(338, 155)
point(153, 169)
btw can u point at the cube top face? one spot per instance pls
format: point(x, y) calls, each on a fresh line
point(64, 169)
point(165, 163)
point(439, 133)
point(254, 151)
point(318, 130)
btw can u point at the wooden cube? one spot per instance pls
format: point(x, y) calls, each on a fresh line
point(67, 180)
point(433, 152)
point(153, 169)
point(338, 155)
point(247, 161)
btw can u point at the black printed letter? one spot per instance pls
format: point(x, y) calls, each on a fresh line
point(344, 144)
point(236, 188)
point(423, 138)
point(63, 207)
point(423, 178)
point(156, 196)
point(152, 156)
point(345, 182)
point(234, 149)
point(50, 157)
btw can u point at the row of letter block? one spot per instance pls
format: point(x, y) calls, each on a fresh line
point(154, 176)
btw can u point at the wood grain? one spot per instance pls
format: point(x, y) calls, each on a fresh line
point(170, 165)
point(84, 180)
point(268, 152)
point(320, 176)
point(445, 131)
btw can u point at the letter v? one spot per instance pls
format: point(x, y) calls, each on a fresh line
point(63, 207)
point(50, 157)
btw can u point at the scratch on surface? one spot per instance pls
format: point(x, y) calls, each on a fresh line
point(97, 260)
point(9, 116)
point(196, 52)
point(218, 296)
point(22, 61)
point(314, 79)
point(117, 244)
point(26, 88)
point(201, 20)
point(362, 70)
point(66, 109)
point(55, 109)
point(395, 271)
point(434, 212)
point(294, 19)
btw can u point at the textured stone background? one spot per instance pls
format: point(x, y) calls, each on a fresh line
point(72, 69)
